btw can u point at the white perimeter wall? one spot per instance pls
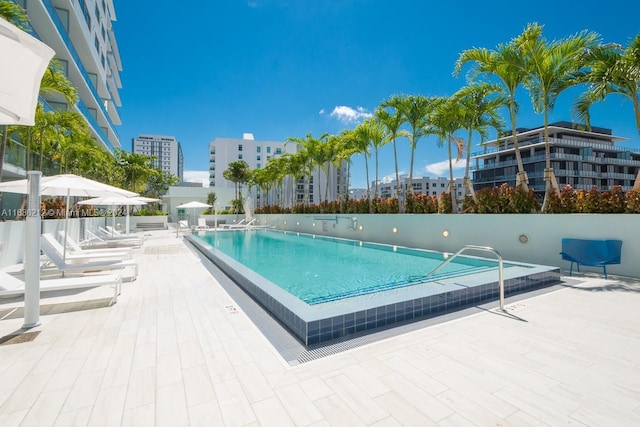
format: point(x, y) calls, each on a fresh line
point(501, 232)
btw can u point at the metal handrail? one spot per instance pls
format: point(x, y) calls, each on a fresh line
point(479, 248)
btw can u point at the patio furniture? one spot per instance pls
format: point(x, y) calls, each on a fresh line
point(594, 253)
point(11, 286)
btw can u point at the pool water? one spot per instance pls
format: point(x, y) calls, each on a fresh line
point(319, 269)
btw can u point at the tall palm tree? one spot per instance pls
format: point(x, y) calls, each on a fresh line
point(551, 68)
point(507, 64)
point(313, 157)
point(378, 137)
point(414, 110)
point(612, 71)
point(446, 119)
point(392, 121)
point(479, 103)
point(360, 141)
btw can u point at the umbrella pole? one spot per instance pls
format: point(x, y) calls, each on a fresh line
point(66, 228)
point(32, 254)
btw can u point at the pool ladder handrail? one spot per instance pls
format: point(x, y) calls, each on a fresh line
point(484, 249)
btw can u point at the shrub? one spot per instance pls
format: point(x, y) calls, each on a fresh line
point(632, 201)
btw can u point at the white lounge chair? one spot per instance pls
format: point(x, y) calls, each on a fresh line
point(99, 238)
point(202, 224)
point(11, 286)
point(60, 265)
point(73, 248)
point(84, 255)
point(241, 224)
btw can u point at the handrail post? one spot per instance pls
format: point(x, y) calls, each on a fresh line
point(485, 249)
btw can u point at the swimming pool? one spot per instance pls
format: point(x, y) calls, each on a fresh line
point(324, 288)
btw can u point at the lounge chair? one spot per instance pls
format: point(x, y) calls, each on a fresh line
point(102, 238)
point(110, 233)
point(84, 255)
point(11, 286)
point(62, 266)
point(202, 224)
point(241, 224)
point(74, 248)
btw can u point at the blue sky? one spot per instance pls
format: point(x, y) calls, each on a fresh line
point(282, 68)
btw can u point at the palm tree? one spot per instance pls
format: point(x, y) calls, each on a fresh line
point(360, 141)
point(378, 138)
point(238, 173)
point(551, 68)
point(313, 157)
point(479, 103)
point(414, 110)
point(612, 71)
point(446, 119)
point(506, 63)
point(392, 122)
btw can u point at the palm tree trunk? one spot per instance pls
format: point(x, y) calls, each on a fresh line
point(375, 191)
point(521, 180)
point(410, 189)
point(452, 185)
point(366, 167)
point(395, 159)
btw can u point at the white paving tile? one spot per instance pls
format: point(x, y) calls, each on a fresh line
point(169, 353)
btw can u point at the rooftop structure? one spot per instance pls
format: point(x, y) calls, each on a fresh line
point(579, 157)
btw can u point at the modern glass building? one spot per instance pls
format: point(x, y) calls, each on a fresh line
point(579, 157)
point(82, 35)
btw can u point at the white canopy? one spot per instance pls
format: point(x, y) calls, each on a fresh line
point(24, 61)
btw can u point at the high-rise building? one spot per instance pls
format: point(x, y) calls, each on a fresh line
point(81, 33)
point(579, 157)
point(166, 152)
point(223, 151)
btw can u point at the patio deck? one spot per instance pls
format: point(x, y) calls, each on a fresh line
point(177, 349)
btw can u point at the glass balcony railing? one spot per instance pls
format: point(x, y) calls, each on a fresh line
point(15, 155)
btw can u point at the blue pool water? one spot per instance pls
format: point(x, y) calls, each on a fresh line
point(320, 269)
point(325, 288)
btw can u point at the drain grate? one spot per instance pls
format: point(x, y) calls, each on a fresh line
point(19, 338)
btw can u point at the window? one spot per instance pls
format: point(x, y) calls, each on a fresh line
point(239, 147)
point(268, 149)
point(239, 156)
point(258, 149)
point(258, 158)
point(258, 166)
point(85, 12)
point(278, 151)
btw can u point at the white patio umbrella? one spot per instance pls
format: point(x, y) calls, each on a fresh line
point(24, 61)
point(66, 185)
point(114, 201)
point(193, 205)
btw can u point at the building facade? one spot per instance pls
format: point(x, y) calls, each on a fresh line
point(421, 185)
point(579, 158)
point(166, 152)
point(223, 151)
point(82, 35)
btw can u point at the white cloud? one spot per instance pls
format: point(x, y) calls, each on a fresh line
point(442, 168)
point(197, 176)
point(321, 112)
point(252, 4)
point(349, 115)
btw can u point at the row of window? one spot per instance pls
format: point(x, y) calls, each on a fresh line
point(258, 148)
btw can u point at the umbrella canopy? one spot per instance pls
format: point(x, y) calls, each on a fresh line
point(193, 205)
point(66, 185)
point(116, 201)
point(24, 61)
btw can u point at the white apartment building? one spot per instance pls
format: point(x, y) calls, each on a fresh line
point(223, 151)
point(421, 185)
point(166, 151)
point(81, 33)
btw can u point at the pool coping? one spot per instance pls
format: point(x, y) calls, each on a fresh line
point(314, 324)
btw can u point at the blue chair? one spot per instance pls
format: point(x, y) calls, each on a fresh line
point(594, 253)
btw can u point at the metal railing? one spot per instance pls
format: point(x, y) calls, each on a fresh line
point(483, 249)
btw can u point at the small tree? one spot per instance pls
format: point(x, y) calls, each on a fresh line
point(212, 198)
